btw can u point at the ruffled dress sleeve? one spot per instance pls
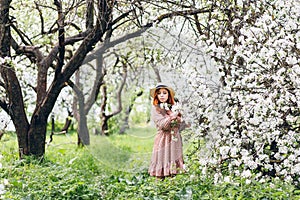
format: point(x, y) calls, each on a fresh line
point(161, 118)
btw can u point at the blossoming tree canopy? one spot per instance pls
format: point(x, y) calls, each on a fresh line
point(256, 47)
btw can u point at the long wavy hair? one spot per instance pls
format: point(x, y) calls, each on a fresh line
point(170, 100)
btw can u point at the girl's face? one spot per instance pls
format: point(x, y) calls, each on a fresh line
point(163, 95)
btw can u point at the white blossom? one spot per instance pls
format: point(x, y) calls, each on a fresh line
point(224, 150)
point(246, 174)
point(230, 40)
point(259, 66)
point(227, 179)
point(292, 60)
point(295, 169)
point(2, 189)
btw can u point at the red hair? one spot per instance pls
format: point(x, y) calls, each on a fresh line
point(170, 100)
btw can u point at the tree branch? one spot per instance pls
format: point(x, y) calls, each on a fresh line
point(4, 106)
point(61, 38)
point(89, 14)
point(119, 95)
point(183, 13)
point(139, 32)
point(41, 17)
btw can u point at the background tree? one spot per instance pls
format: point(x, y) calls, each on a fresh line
point(32, 135)
point(4, 50)
point(49, 57)
point(87, 92)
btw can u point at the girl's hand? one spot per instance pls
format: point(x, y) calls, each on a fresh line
point(173, 116)
point(178, 118)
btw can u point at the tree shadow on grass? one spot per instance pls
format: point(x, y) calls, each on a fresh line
point(120, 158)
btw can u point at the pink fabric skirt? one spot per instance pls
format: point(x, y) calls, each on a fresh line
point(167, 157)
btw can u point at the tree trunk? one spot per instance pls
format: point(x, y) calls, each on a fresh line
point(83, 131)
point(37, 136)
point(125, 125)
point(15, 106)
point(128, 111)
point(52, 128)
point(104, 125)
point(103, 117)
point(79, 113)
point(67, 122)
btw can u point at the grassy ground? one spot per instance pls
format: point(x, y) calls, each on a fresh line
point(130, 152)
point(115, 167)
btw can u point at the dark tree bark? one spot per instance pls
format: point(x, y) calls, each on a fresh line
point(103, 117)
point(67, 122)
point(1, 134)
point(15, 105)
point(4, 28)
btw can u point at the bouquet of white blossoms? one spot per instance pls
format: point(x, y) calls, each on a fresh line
point(165, 106)
point(176, 108)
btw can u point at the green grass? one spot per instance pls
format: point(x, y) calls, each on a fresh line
point(130, 152)
point(115, 167)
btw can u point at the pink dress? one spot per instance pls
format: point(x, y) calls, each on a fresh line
point(167, 157)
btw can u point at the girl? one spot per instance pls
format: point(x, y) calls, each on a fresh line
point(167, 158)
